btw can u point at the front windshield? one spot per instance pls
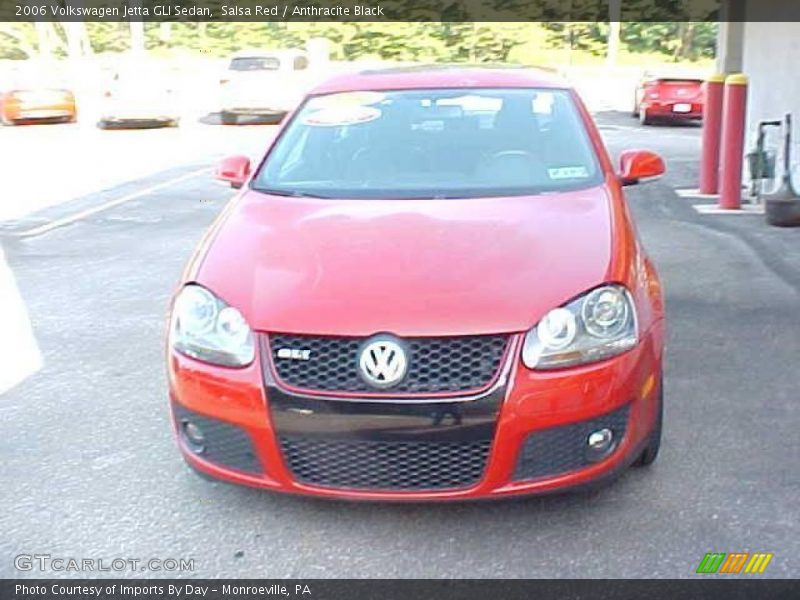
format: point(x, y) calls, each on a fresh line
point(444, 143)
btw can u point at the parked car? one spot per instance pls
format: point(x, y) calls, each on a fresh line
point(429, 288)
point(266, 84)
point(668, 98)
point(140, 94)
point(36, 101)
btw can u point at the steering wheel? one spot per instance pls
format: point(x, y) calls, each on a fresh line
point(518, 165)
point(418, 153)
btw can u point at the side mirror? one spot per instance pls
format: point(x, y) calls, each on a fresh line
point(235, 170)
point(640, 165)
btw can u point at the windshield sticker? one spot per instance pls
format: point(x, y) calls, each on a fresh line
point(347, 99)
point(568, 173)
point(344, 115)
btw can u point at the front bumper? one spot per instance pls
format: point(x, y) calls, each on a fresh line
point(20, 112)
point(138, 117)
point(667, 110)
point(524, 435)
point(256, 111)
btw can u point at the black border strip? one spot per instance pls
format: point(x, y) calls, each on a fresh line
point(455, 11)
point(710, 587)
point(591, 11)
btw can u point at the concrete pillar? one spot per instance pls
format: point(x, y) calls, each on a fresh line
point(730, 38)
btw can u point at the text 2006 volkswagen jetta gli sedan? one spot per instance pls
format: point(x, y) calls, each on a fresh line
point(429, 288)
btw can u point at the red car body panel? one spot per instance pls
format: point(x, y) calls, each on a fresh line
point(471, 266)
point(420, 78)
point(658, 98)
point(538, 401)
point(286, 263)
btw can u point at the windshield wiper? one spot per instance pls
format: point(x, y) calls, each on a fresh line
point(290, 193)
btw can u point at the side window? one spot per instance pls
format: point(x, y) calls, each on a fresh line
point(300, 63)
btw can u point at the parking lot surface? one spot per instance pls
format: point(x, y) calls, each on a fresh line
point(90, 468)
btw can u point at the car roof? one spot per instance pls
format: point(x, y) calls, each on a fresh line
point(674, 74)
point(442, 76)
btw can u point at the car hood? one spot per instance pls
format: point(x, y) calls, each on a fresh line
point(408, 267)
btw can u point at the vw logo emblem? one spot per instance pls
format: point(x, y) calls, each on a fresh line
point(383, 362)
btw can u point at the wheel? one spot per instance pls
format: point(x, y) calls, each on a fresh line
point(650, 453)
point(644, 118)
point(635, 112)
point(228, 118)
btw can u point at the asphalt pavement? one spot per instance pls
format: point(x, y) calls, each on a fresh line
point(90, 469)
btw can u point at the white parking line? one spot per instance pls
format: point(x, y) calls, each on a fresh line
point(47, 227)
point(713, 209)
point(693, 193)
point(19, 352)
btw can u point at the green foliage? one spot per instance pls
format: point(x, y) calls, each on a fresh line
point(17, 40)
point(678, 40)
point(422, 40)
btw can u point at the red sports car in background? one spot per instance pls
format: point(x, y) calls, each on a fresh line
point(430, 288)
point(668, 98)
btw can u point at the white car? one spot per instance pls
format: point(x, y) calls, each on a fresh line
point(264, 83)
point(141, 94)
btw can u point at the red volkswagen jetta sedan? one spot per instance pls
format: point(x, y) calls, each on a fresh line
point(429, 288)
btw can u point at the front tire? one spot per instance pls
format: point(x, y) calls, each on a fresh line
point(644, 118)
point(650, 453)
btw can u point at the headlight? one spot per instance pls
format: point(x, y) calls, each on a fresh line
point(206, 328)
point(596, 326)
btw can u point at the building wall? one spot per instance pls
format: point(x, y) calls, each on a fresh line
point(771, 59)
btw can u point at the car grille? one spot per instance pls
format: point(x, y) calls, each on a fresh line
point(386, 465)
point(558, 450)
point(444, 364)
point(225, 443)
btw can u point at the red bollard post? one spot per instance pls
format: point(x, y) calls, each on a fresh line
point(734, 116)
point(712, 125)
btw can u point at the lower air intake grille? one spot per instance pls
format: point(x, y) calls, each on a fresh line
point(386, 465)
point(562, 449)
point(444, 364)
point(225, 443)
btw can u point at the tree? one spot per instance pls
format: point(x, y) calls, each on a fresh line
point(17, 41)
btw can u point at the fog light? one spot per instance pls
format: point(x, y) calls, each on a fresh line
point(194, 436)
point(600, 443)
